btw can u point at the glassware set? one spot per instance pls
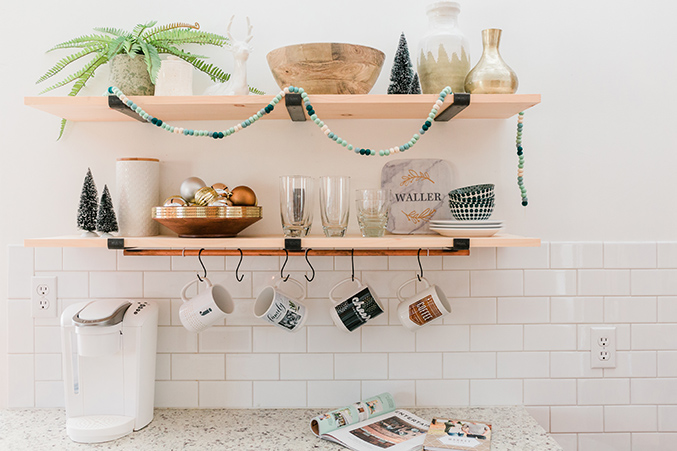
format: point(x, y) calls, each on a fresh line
point(296, 206)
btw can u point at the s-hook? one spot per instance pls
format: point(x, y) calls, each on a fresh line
point(286, 258)
point(352, 265)
point(418, 256)
point(238, 277)
point(199, 257)
point(311, 267)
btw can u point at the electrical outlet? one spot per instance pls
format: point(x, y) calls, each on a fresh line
point(43, 297)
point(603, 347)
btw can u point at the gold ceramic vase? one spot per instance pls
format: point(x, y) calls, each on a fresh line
point(491, 75)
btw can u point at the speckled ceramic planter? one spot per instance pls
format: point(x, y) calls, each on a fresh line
point(130, 75)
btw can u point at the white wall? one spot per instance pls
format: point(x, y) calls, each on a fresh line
point(598, 149)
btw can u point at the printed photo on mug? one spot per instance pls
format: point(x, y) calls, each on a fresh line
point(281, 309)
point(355, 310)
point(423, 307)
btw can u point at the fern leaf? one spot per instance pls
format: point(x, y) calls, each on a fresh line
point(114, 31)
point(170, 26)
point(256, 91)
point(140, 28)
point(214, 72)
point(79, 74)
point(166, 48)
point(82, 41)
point(61, 64)
point(152, 58)
point(178, 37)
point(116, 45)
point(61, 129)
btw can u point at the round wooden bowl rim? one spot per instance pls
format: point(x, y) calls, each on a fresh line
point(325, 44)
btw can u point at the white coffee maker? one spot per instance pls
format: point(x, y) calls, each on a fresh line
point(108, 351)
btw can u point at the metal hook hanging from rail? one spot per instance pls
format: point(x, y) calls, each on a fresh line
point(352, 265)
point(199, 257)
point(286, 257)
point(311, 267)
point(238, 277)
point(420, 267)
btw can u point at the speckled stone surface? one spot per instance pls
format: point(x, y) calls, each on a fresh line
point(253, 429)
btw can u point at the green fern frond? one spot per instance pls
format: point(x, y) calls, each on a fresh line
point(62, 128)
point(79, 74)
point(177, 37)
point(253, 90)
point(169, 49)
point(214, 72)
point(140, 28)
point(83, 41)
point(168, 27)
point(116, 45)
point(152, 58)
point(61, 64)
point(114, 31)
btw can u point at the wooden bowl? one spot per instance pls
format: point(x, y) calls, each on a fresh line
point(326, 68)
point(207, 222)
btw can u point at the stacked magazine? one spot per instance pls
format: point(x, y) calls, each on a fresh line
point(371, 425)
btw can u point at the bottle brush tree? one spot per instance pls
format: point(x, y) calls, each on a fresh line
point(402, 73)
point(88, 208)
point(106, 221)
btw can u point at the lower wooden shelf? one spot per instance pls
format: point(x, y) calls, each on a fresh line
point(275, 245)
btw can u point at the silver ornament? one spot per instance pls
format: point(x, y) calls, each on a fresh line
point(190, 186)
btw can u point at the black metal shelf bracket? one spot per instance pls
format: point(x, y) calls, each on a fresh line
point(116, 243)
point(461, 101)
point(116, 104)
point(294, 104)
point(292, 244)
point(460, 244)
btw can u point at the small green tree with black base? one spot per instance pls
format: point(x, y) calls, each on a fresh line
point(88, 208)
point(402, 74)
point(415, 85)
point(106, 221)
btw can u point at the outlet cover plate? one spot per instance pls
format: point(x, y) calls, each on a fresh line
point(603, 347)
point(43, 297)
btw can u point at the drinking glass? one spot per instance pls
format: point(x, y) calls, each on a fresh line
point(296, 204)
point(334, 204)
point(372, 211)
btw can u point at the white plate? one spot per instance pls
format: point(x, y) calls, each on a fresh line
point(466, 227)
point(453, 222)
point(465, 233)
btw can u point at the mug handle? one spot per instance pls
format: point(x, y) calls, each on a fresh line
point(349, 279)
point(279, 283)
point(185, 288)
point(413, 279)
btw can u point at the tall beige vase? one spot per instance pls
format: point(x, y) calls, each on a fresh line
point(130, 75)
point(137, 192)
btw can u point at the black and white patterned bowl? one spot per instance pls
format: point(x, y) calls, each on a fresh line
point(464, 211)
point(473, 193)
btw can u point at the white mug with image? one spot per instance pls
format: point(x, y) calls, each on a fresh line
point(280, 308)
point(423, 307)
point(205, 309)
point(351, 312)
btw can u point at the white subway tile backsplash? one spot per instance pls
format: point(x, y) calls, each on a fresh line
point(332, 339)
point(298, 263)
point(279, 394)
point(429, 263)
point(523, 257)
point(523, 310)
point(89, 259)
point(235, 289)
point(472, 311)
point(653, 391)
point(540, 414)
point(275, 339)
point(163, 367)
point(20, 381)
point(649, 441)
point(496, 338)
point(404, 392)
point(321, 290)
point(421, 365)
point(667, 309)
point(633, 364)
point(252, 367)
point(667, 418)
point(369, 263)
point(388, 339)
point(48, 367)
point(71, 285)
point(306, 366)
point(176, 394)
point(330, 394)
point(576, 419)
point(507, 282)
point(19, 327)
point(654, 336)
point(603, 282)
point(622, 336)
point(479, 258)
point(47, 339)
point(442, 393)
point(629, 255)
point(115, 284)
point(604, 442)
point(667, 254)
point(452, 283)
point(49, 394)
point(568, 442)
point(495, 392)
point(225, 339)
point(48, 259)
point(469, 365)
point(384, 283)
point(176, 339)
point(225, 394)
point(630, 309)
point(191, 263)
point(576, 255)
point(630, 418)
point(260, 263)
point(522, 365)
point(667, 363)
point(572, 364)
point(603, 391)
point(145, 263)
point(443, 338)
point(561, 282)
point(362, 366)
point(198, 367)
point(550, 392)
point(158, 284)
point(652, 282)
point(20, 270)
point(577, 309)
point(553, 337)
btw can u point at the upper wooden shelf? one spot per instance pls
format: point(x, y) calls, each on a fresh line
point(368, 106)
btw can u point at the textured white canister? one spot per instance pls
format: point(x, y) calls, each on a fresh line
point(175, 78)
point(137, 192)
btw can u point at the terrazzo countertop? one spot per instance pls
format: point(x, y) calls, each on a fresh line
point(253, 429)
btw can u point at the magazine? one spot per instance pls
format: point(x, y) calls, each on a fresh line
point(373, 424)
point(457, 435)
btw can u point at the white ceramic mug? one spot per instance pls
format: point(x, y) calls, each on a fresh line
point(355, 310)
point(206, 308)
point(423, 307)
point(281, 309)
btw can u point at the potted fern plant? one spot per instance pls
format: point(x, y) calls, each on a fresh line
point(142, 48)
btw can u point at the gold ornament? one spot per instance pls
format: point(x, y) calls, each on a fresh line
point(221, 202)
point(243, 195)
point(221, 189)
point(175, 201)
point(205, 195)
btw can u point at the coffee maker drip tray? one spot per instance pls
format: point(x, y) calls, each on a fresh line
point(98, 428)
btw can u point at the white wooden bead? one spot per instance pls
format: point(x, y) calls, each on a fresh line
point(439, 103)
point(286, 90)
point(324, 128)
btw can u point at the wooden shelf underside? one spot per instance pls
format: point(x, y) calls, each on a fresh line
point(274, 245)
point(202, 108)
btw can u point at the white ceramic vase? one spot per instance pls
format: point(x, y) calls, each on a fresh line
point(175, 78)
point(137, 192)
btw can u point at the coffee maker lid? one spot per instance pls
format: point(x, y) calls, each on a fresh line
point(107, 312)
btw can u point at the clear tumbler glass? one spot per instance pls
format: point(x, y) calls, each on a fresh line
point(296, 204)
point(372, 211)
point(334, 204)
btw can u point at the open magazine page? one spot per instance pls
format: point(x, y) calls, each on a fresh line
point(395, 431)
point(354, 413)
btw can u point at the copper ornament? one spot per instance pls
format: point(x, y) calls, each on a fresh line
point(221, 202)
point(243, 195)
point(221, 189)
point(175, 201)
